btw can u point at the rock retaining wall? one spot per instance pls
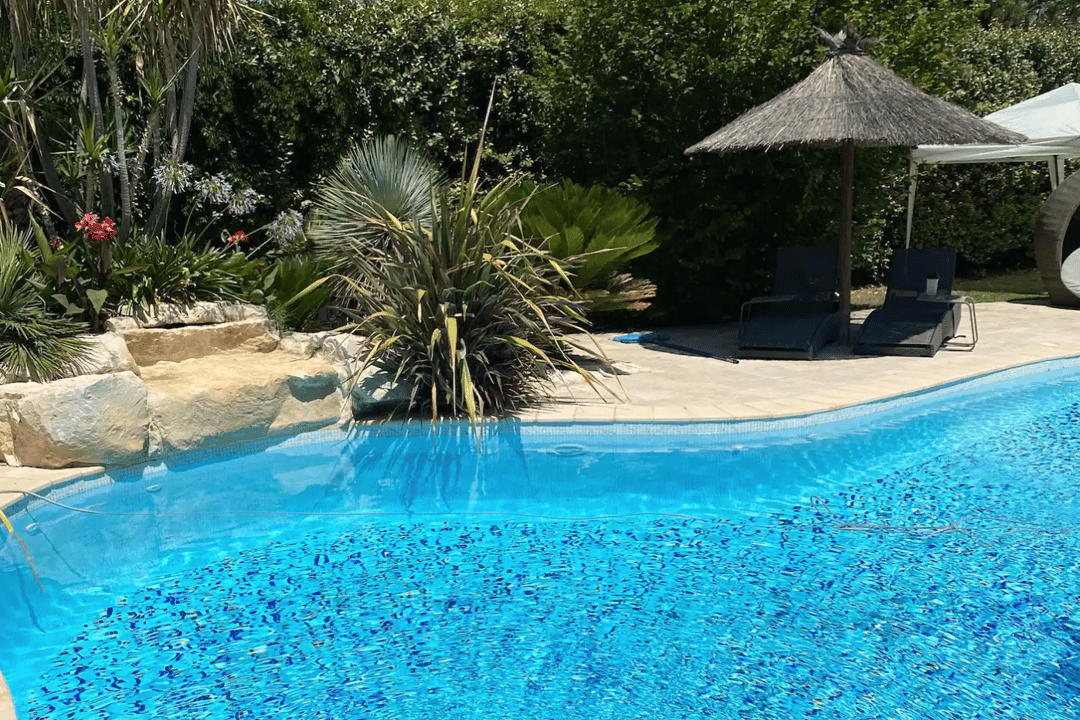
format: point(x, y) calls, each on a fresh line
point(149, 390)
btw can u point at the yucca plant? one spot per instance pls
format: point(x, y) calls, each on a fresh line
point(471, 316)
point(33, 343)
point(376, 178)
point(599, 231)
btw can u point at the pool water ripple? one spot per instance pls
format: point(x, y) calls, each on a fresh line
point(924, 567)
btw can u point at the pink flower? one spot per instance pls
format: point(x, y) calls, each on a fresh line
point(238, 237)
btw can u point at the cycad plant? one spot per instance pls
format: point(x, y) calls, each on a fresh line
point(378, 178)
point(33, 343)
point(599, 231)
point(464, 310)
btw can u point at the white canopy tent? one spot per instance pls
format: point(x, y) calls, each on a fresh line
point(1050, 121)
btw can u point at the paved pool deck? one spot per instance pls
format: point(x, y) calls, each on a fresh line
point(664, 384)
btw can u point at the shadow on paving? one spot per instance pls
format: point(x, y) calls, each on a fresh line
point(721, 342)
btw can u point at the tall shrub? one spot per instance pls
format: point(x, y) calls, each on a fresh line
point(313, 77)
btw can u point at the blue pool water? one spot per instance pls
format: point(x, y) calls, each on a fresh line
point(920, 564)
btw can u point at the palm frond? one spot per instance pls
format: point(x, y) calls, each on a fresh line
point(377, 180)
point(33, 344)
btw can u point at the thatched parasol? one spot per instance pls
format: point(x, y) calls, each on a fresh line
point(850, 100)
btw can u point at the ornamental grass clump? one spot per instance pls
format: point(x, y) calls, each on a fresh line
point(471, 316)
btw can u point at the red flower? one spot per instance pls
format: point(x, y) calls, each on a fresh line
point(54, 243)
point(87, 220)
point(95, 230)
point(238, 237)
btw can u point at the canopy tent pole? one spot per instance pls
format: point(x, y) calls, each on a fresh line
point(913, 171)
point(847, 185)
point(1057, 171)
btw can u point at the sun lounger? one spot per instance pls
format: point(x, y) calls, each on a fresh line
point(912, 322)
point(800, 317)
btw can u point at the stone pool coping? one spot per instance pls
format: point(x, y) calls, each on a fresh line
point(665, 385)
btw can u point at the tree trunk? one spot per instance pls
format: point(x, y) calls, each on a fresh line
point(187, 102)
point(93, 100)
point(40, 139)
point(121, 149)
point(182, 127)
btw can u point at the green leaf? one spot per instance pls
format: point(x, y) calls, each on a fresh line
point(97, 299)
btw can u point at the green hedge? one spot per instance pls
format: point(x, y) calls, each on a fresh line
point(612, 91)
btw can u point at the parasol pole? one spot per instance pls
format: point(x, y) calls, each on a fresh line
point(847, 184)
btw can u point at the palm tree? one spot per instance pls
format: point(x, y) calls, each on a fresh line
point(170, 38)
point(376, 179)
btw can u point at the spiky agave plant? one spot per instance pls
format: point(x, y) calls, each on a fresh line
point(33, 343)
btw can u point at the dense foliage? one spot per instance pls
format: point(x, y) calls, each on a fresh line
point(182, 271)
point(611, 92)
point(34, 344)
point(599, 231)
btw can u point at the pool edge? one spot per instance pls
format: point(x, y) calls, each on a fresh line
point(17, 482)
point(38, 480)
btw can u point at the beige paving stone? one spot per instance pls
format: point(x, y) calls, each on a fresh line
point(742, 411)
point(634, 412)
point(667, 413)
point(705, 411)
point(1010, 334)
point(7, 703)
point(595, 413)
point(14, 481)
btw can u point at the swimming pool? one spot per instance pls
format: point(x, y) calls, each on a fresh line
point(920, 563)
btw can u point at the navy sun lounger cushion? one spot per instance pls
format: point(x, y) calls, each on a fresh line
point(800, 317)
point(906, 324)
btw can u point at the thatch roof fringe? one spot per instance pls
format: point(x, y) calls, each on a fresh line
point(850, 97)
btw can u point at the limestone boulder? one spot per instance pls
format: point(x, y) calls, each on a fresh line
point(85, 420)
point(222, 400)
point(346, 352)
point(105, 353)
point(334, 346)
point(198, 313)
point(152, 345)
point(108, 353)
point(10, 395)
